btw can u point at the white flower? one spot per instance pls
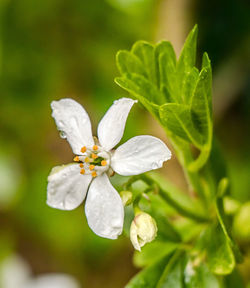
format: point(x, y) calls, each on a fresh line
point(143, 230)
point(16, 273)
point(96, 161)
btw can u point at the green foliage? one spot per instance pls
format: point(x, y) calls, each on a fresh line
point(194, 237)
point(149, 277)
point(175, 92)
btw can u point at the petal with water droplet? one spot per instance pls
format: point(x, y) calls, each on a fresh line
point(139, 154)
point(73, 123)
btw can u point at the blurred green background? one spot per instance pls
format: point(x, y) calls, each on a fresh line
point(52, 49)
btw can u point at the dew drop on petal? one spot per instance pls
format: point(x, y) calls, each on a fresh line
point(62, 134)
point(154, 165)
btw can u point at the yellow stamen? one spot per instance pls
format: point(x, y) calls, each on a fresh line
point(76, 159)
point(87, 160)
point(81, 165)
point(94, 156)
point(91, 167)
point(103, 162)
point(94, 174)
point(82, 171)
point(83, 149)
point(95, 147)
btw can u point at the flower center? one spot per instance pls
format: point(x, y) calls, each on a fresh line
point(94, 161)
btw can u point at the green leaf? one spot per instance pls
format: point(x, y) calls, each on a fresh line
point(225, 228)
point(201, 102)
point(188, 54)
point(128, 63)
point(172, 276)
point(189, 84)
point(166, 71)
point(187, 60)
point(201, 107)
point(150, 276)
point(177, 119)
point(145, 52)
point(220, 257)
point(153, 252)
point(199, 276)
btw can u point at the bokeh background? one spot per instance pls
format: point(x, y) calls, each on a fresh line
point(52, 49)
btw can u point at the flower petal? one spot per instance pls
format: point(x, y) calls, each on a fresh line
point(139, 154)
point(110, 129)
point(67, 188)
point(104, 208)
point(73, 122)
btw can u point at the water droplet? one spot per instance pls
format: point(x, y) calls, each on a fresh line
point(154, 165)
point(62, 134)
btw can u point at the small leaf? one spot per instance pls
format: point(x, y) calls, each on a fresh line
point(150, 276)
point(153, 252)
point(222, 187)
point(177, 119)
point(220, 256)
point(225, 228)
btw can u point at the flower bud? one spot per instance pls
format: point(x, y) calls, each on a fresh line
point(143, 230)
point(126, 197)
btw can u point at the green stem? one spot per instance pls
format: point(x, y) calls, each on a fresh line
point(185, 157)
point(178, 207)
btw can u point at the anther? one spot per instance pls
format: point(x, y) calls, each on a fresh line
point(95, 147)
point(94, 174)
point(94, 156)
point(83, 149)
point(76, 159)
point(81, 165)
point(87, 160)
point(82, 171)
point(103, 162)
point(91, 167)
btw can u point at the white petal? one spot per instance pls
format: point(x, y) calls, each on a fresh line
point(104, 208)
point(139, 154)
point(67, 188)
point(110, 129)
point(73, 122)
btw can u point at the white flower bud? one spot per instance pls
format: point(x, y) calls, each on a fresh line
point(127, 197)
point(143, 230)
